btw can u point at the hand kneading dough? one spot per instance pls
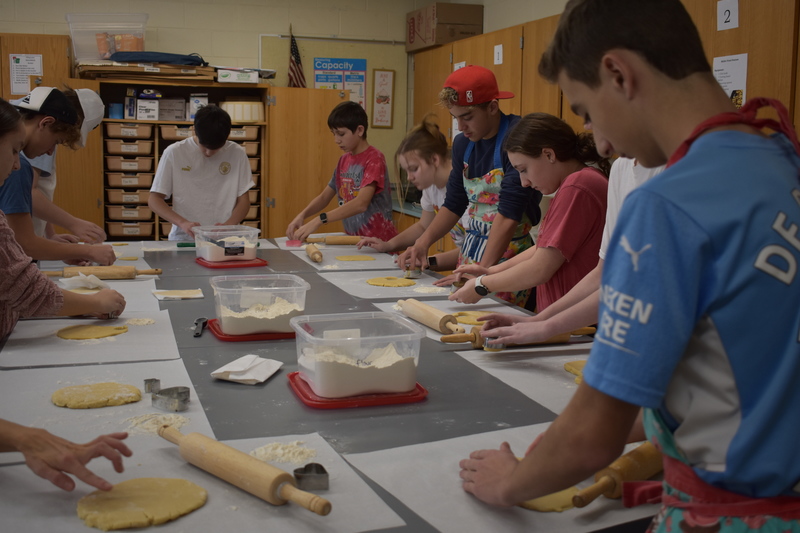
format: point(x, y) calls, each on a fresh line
point(391, 281)
point(140, 503)
point(90, 332)
point(355, 258)
point(558, 501)
point(96, 395)
point(575, 367)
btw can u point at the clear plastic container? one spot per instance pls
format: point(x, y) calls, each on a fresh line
point(98, 35)
point(357, 353)
point(265, 303)
point(226, 243)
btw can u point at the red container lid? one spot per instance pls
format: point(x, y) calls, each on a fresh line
point(257, 262)
point(307, 396)
point(213, 327)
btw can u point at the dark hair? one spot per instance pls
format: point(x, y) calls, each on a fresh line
point(425, 139)
point(9, 118)
point(661, 31)
point(538, 131)
point(348, 115)
point(212, 125)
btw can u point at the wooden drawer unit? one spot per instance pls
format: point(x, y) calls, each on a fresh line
point(128, 179)
point(129, 212)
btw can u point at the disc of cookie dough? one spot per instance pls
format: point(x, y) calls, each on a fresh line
point(129, 258)
point(556, 502)
point(391, 281)
point(96, 395)
point(470, 317)
point(355, 258)
point(140, 502)
point(84, 332)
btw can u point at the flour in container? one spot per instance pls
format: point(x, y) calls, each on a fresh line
point(259, 318)
point(335, 374)
point(214, 253)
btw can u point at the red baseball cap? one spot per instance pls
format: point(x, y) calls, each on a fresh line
point(475, 85)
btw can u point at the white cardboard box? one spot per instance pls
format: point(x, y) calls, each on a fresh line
point(146, 109)
point(196, 101)
point(237, 76)
point(172, 109)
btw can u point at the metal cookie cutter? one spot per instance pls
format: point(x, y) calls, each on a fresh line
point(312, 476)
point(414, 273)
point(170, 399)
point(457, 285)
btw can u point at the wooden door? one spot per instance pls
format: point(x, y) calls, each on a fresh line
point(538, 94)
point(431, 68)
point(302, 154)
point(480, 50)
point(54, 49)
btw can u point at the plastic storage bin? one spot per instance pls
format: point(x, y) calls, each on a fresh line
point(130, 229)
point(127, 179)
point(226, 243)
point(247, 305)
point(127, 212)
point(121, 196)
point(352, 354)
point(129, 131)
point(119, 147)
point(98, 35)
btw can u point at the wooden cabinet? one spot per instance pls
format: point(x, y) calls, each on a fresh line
point(538, 94)
point(53, 52)
point(484, 49)
point(131, 150)
point(431, 68)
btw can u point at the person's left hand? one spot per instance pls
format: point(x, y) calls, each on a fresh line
point(446, 281)
point(486, 473)
point(302, 233)
point(52, 457)
point(466, 294)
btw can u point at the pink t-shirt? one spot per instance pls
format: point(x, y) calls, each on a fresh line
point(573, 225)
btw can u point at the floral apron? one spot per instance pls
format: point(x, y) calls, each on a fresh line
point(689, 504)
point(483, 193)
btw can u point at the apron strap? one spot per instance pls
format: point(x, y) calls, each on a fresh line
point(746, 115)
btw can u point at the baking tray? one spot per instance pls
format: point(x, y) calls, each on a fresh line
point(307, 396)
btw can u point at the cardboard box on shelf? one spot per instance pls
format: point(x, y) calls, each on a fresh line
point(441, 23)
point(237, 76)
point(196, 101)
point(172, 109)
point(146, 109)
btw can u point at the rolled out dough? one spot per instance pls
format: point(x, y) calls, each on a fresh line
point(391, 281)
point(96, 395)
point(84, 332)
point(140, 321)
point(575, 367)
point(128, 258)
point(556, 502)
point(140, 502)
point(470, 317)
point(355, 258)
point(119, 244)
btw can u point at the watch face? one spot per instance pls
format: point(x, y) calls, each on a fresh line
point(480, 289)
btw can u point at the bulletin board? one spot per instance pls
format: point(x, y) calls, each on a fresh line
point(382, 56)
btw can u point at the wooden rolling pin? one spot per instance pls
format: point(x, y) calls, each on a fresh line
point(103, 272)
point(430, 316)
point(475, 338)
point(242, 470)
point(336, 239)
point(313, 252)
point(639, 464)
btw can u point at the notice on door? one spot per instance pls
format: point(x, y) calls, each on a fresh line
point(21, 67)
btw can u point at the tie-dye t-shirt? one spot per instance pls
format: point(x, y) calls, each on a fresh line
point(355, 171)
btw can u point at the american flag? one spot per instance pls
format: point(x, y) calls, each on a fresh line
point(296, 76)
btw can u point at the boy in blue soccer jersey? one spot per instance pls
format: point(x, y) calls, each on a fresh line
point(699, 319)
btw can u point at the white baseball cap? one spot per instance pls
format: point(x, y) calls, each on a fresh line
point(93, 111)
point(51, 102)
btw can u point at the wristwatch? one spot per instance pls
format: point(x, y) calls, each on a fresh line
point(432, 261)
point(480, 288)
point(323, 217)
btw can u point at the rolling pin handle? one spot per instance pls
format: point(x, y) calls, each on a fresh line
point(170, 433)
point(52, 273)
point(149, 272)
point(454, 327)
point(594, 491)
point(458, 337)
point(312, 502)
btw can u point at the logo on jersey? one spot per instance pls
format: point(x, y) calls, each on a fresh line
point(224, 168)
point(187, 168)
point(633, 253)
